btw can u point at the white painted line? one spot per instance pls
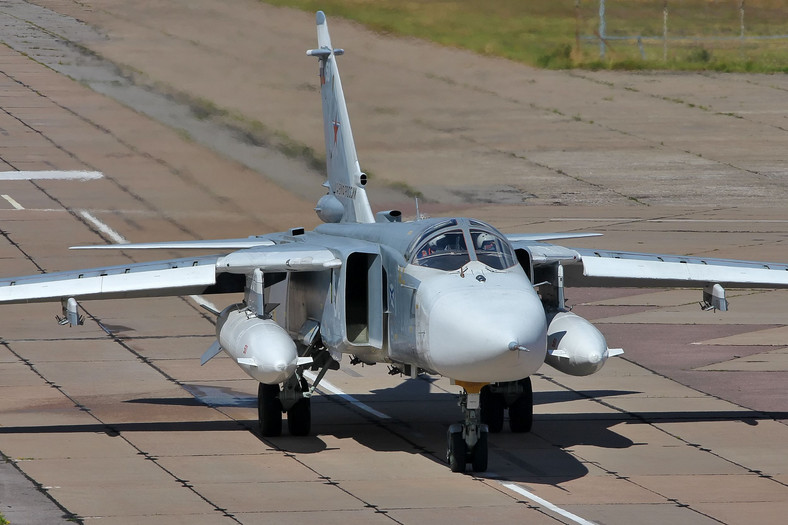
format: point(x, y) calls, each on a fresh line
point(594, 219)
point(103, 228)
point(347, 397)
point(50, 175)
point(119, 239)
point(546, 504)
point(630, 219)
point(723, 221)
point(199, 299)
point(13, 203)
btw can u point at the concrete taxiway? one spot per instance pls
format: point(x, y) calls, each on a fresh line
point(115, 421)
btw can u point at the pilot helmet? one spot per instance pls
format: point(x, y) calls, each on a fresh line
point(485, 241)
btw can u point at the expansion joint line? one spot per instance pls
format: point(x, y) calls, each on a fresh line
point(102, 129)
point(112, 431)
point(39, 487)
point(252, 429)
point(655, 424)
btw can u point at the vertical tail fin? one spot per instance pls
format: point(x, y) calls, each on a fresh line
point(345, 179)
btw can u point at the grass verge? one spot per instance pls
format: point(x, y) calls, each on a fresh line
point(702, 34)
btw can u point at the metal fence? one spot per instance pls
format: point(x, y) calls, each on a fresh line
point(668, 26)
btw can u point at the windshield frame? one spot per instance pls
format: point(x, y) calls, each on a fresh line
point(446, 250)
point(430, 250)
point(492, 249)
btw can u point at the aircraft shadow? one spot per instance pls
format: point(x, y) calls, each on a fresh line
point(417, 423)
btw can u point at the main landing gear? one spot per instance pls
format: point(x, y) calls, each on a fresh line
point(517, 396)
point(483, 410)
point(294, 399)
point(295, 395)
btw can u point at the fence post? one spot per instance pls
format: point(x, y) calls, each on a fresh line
point(577, 31)
point(601, 29)
point(741, 18)
point(665, 32)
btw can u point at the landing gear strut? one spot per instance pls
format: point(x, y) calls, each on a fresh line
point(467, 442)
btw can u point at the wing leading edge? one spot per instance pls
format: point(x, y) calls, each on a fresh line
point(220, 244)
point(588, 267)
point(184, 276)
point(610, 268)
point(160, 278)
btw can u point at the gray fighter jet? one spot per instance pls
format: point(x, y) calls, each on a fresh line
point(450, 296)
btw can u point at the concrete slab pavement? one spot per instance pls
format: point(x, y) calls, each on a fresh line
point(497, 133)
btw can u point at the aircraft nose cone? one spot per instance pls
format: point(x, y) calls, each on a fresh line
point(473, 335)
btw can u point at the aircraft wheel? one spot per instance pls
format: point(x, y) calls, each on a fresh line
point(269, 410)
point(492, 406)
point(479, 455)
point(456, 455)
point(299, 417)
point(521, 412)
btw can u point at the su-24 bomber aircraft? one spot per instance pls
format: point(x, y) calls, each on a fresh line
point(449, 296)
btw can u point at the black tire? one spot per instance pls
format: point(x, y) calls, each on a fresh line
point(457, 452)
point(521, 412)
point(269, 410)
point(479, 459)
point(492, 408)
point(299, 418)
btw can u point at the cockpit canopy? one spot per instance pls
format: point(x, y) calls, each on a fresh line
point(451, 244)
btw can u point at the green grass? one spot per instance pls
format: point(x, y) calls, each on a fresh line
point(4, 521)
point(543, 33)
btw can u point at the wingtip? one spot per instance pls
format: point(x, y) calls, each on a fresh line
point(320, 17)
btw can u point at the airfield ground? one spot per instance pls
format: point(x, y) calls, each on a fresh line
point(115, 422)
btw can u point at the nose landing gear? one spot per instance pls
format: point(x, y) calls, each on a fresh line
point(467, 442)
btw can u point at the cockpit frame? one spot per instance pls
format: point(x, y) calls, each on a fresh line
point(451, 244)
